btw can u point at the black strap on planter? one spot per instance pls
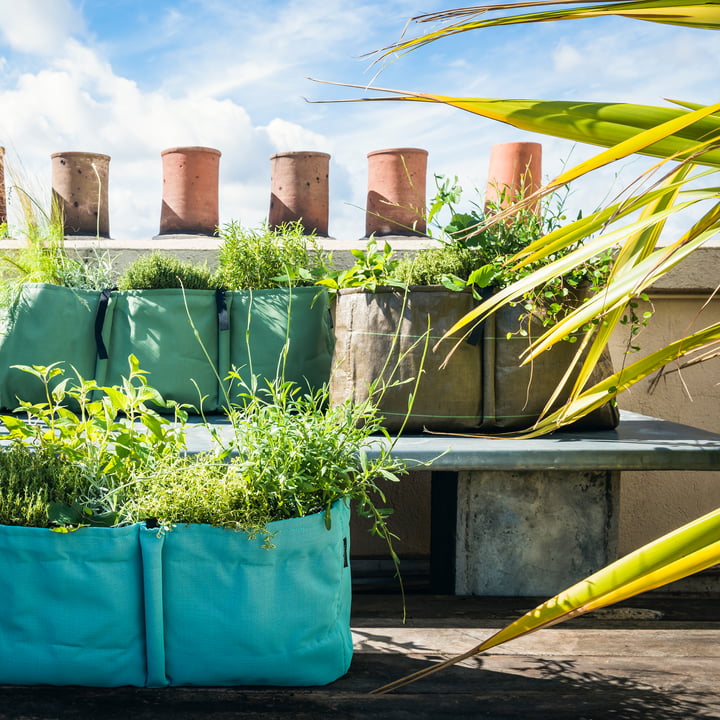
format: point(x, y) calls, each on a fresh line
point(103, 301)
point(222, 311)
point(476, 334)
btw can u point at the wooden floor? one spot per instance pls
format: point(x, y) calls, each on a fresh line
point(654, 657)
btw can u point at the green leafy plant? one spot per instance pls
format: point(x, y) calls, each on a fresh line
point(287, 456)
point(159, 270)
point(113, 435)
point(477, 253)
point(373, 268)
point(32, 481)
point(265, 258)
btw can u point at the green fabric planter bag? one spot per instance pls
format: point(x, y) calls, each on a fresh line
point(280, 334)
point(515, 395)
point(384, 334)
point(235, 613)
point(154, 326)
point(198, 605)
point(46, 324)
point(72, 608)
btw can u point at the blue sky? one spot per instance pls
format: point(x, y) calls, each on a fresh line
point(130, 78)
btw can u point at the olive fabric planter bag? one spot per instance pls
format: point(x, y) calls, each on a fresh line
point(384, 335)
point(46, 324)
point(72, 608)
point(280, 334)
point(514, 395)
point(235, 613)
point(154, 326)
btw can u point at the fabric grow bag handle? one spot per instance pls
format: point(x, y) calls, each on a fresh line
point(477, 334)
point(103, 301)
point(222, 310)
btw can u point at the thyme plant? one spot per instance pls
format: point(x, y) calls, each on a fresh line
point(160, 270)
point(288, 455)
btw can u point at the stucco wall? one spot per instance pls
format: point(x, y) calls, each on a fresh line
point(655, 502)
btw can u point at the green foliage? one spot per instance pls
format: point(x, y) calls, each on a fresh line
point(31, 480)
point(43, 258)
point(116, 461)
point(481, 250)
point(288, 457)
point(113, 436)
point(265, 258)
point(373, 268)
point(159, 270)
point(433, 266)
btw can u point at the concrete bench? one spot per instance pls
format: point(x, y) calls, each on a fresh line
point(528, 517)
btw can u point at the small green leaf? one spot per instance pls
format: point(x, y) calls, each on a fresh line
point(483, 277)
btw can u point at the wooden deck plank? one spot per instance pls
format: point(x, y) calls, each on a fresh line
point(660, 665)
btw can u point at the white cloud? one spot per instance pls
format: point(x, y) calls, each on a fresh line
point(566, 57)
point(39, 26)
point(78, 103)
point(287, 136)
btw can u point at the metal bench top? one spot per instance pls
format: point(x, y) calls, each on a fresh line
point(638, 443)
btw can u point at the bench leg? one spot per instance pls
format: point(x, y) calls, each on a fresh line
point(533, 533)
point(443, 531)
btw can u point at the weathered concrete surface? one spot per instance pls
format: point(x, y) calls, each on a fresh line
point(531, 532)
point(655, 657)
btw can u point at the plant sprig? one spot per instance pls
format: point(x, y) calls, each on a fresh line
point(483, 248)
point(160, 270)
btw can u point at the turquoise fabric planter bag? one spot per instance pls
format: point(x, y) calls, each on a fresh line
point(234, 613)
point(280, 333)
point(154, 326)
point(45, 325)
point(72, 607)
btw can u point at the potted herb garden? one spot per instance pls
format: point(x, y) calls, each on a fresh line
point(134, 562)
point(386, 330)
point(258, 313)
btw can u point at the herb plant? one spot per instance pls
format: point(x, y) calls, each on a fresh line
point(159, 270)
point(33, 481)
point(477, 249)
point(265, 258)
point(113, 436)
point(288, 456)
point(116, 461)
point(44, 257)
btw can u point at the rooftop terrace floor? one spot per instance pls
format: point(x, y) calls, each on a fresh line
point(655, 656)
